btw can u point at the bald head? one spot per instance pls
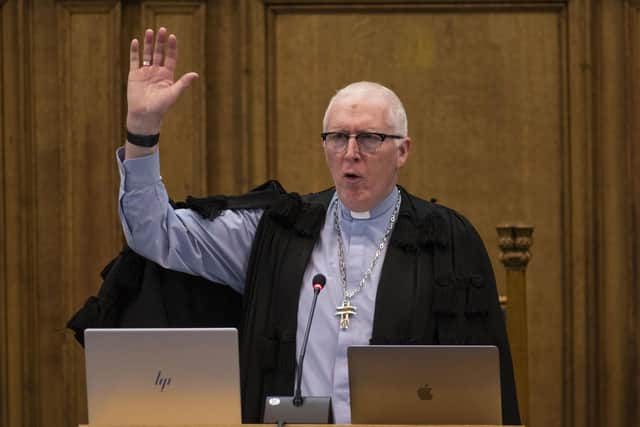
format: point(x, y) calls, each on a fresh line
point(396, 116)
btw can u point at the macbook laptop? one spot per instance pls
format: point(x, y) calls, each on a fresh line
point(425, 385)
point(162, 376)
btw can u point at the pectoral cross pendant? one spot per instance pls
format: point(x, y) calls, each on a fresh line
point(344, 311)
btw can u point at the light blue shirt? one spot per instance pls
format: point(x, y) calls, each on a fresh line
point(219, 251)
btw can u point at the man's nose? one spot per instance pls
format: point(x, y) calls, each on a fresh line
point(353, 150)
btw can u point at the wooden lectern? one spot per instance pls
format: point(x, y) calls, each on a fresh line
point(291, 425)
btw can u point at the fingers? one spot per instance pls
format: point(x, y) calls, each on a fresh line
point(158, 51)
point(154, 53)
point(184, 83)
point(148, 47)
point(134, 55)
point(172, 53)
point(164, 52)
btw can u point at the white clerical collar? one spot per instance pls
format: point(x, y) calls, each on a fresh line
point(360, 215)
point(381, 208)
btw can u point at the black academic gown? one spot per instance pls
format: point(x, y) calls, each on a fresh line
point(436, 287)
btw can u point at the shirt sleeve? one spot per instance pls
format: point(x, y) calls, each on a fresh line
point(179, 239)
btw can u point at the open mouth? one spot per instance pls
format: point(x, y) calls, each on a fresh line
point(351, 176)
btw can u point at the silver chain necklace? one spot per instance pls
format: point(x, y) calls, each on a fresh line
point(346, 309)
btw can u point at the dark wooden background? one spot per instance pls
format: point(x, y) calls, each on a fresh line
point(519, 111)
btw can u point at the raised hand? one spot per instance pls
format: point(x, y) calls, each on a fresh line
point(151, 89)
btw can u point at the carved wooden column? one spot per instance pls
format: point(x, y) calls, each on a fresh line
point(514, 242)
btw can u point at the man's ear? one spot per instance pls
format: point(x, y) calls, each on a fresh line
point(403, 151)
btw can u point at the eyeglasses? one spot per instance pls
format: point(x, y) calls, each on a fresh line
point(368, 142)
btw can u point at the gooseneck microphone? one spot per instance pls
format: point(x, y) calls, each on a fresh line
point(318, 283)
point(296, 409)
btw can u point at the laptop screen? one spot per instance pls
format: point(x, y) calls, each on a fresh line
point(162, 376)
point(424, 385)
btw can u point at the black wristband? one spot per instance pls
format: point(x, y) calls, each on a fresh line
point(143, 140)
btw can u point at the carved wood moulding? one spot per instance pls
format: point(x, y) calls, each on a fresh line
point(438, 3)
point(80, 6)
point(632, 21)
point(91, 102)
point(185, 128)
point(89, 129)
point(514, 242)
point(17, 309)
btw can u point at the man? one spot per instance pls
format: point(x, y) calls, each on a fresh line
point(400, 270)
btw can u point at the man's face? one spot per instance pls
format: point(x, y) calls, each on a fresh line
point(363, 180)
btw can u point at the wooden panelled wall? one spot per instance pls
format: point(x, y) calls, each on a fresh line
point(519, 111)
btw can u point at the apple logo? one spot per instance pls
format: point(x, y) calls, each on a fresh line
point(424, 392)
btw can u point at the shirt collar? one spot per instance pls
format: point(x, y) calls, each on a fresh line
point(380, 209)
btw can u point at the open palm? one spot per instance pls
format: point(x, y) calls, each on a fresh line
point(151, 89)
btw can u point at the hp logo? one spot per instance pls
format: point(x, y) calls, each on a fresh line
point(161, 381)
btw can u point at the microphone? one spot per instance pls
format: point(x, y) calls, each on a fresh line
point(296, 409)
point(318, 283)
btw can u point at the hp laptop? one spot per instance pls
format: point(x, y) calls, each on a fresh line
point(162, 376)
point(425, 385)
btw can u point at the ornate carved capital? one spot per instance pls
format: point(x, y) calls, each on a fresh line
point(514, 241)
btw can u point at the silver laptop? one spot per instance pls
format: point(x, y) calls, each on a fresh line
point(425, 385)
point(162, 376)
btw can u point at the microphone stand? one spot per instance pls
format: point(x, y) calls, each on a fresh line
point(298, 409)
point(298, 399)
